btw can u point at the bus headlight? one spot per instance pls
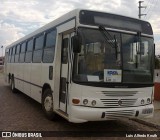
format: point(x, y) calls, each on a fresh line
point(148, 100)
point(85, 101)
point(93, 103)
point(142, 101)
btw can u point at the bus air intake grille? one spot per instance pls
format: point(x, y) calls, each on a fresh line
point(119, 93)
point(113, 103)
point(113, 115)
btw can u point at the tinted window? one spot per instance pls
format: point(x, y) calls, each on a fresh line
point(50, 39)
point(49, 50)
point(10, 52)
point(9, 55)
point(18, 49)
point(23, 47)
point(17, 54)
point(16, 58)
point(28, 57)
point(22, 54)
point(39, 42)
point(30, 45)
point(14, 49)
point(12, 56)
point(48, 55)
point(21, 57)
point(37, 56)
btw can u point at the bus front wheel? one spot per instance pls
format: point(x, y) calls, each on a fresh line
point(47, 104)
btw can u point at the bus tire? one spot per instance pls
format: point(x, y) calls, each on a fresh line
point(47, 104)
point(13, 85)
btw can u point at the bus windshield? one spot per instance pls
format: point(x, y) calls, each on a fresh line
point(131, 61)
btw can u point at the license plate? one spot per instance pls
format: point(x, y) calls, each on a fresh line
point(147, 111)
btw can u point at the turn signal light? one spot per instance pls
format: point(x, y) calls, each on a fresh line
point(75, 101)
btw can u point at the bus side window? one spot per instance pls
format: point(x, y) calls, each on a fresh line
point(9, 55)
point(49, 47)
point(13, 54)
point(17, 53)
point(29, 50)
point(37, 54)
point(22, 52)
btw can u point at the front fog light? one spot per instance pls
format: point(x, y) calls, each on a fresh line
point(93, 103)
point(85, 101)
point(142, 101)
point(148, 100)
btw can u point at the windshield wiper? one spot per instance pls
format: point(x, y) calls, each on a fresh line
point(109, 38)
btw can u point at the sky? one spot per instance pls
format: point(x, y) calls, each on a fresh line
point(19, 17)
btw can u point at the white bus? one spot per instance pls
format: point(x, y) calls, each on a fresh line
point(86, 66)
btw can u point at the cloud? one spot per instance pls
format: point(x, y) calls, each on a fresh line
point(155, 23)
point(9, 33)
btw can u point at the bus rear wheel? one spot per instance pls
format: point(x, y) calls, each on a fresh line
point(47, 104)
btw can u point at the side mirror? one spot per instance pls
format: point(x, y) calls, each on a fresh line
point(76, 42)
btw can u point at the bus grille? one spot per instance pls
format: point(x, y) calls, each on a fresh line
point(118, 98)
point(119, 93)
point(119, 114)
point(111, 103)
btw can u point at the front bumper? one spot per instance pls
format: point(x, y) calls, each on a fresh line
point(80, 114)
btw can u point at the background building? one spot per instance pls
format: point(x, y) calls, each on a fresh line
point(2, 60)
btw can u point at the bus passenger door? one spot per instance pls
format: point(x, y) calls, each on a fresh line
point(64, 79)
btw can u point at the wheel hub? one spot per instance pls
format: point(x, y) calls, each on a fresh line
point(48, 103)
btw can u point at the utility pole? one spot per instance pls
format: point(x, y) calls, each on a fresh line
point(140, 7)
